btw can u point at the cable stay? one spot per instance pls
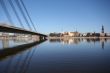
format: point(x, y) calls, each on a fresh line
point(24, 6)
point(15, 11)
point(6, 12)
point(23, 14)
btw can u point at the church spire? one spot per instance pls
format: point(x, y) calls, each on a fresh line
point(102, 29)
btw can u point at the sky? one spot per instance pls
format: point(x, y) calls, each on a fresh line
point(64, 15)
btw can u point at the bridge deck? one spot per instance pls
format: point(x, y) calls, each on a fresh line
point(12, 29)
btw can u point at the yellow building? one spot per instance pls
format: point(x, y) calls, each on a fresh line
point(71, 34)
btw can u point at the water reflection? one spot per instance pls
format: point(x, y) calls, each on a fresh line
point(9, 51)
point(55, 55)
point(16, 59)
point(5, 43)
point(79, 40)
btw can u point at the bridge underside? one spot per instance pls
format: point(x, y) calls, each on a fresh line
point(12, 29)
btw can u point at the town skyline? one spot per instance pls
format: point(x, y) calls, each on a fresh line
point(102, 30)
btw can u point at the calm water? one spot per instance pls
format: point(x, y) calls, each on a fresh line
point(56, 56)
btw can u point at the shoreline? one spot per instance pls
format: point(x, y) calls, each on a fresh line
point(56, 37)
point(78, 37)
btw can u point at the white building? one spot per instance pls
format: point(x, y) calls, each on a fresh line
point(102, 34)
point(108, 34)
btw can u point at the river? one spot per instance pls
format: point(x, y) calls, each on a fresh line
point(55, 56)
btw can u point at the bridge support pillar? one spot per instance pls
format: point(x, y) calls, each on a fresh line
point(38, 37)
point(42, 38)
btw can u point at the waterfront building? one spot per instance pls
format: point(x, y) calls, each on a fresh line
point(65, 34)
point(74, 34)
point(71, 34)
point(89, 34)
point(108, 34)
point(55, 34)
point(5, 34)
point(97, 34)
point(102, 34)
point(83, 34)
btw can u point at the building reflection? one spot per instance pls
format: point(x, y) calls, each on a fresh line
point(79, 40)
point(71, 41)
point(66, 41)
point(54, 40)
point(103, 41)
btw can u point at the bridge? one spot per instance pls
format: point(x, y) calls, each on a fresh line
point(18, 6)
point(16, 10)
point(12, 29)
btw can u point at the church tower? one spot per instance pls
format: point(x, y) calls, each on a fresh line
point(102, 29)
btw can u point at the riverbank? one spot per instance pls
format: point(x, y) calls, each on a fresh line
point(78, 37)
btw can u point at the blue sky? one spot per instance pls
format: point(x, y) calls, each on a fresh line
point(65, 15)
